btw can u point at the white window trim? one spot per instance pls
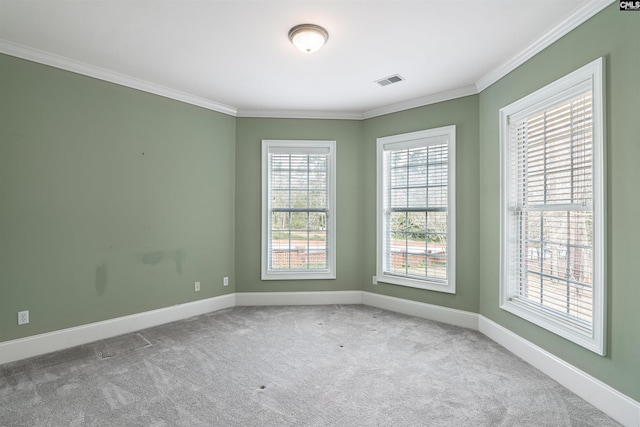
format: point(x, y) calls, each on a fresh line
point(553, 93)
point(407, 140)
point(330, 273)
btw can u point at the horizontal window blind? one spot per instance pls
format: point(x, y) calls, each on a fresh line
point(552, 212)
point(298, 209)
point(415, 211)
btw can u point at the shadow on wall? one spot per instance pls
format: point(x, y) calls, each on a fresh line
point(101, 278)
point(157, 257)
point(150, 258)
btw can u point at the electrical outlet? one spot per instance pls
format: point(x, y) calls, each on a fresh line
point(374, 280)
point(23, 317)
point(225, 281)
point(197, 287)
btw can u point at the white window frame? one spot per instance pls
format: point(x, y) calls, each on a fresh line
point(299, 146)
point(591, 74)
point(412, 140)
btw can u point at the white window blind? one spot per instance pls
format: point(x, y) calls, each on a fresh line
point(552, 216)
point(416, 201)
point(552, 198)
point(416, 212)
point(298, 224)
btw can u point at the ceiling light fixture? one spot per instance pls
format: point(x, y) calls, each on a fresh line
point(308, 37)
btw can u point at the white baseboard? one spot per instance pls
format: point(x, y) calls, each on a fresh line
point(298, 298)
point(438, 313)
point(35, 345)
point(399, 305)
point(620, 407)
point(615, 404)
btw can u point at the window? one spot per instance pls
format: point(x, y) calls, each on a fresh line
point(298, 210)
point(552, 207)
point(416, 209)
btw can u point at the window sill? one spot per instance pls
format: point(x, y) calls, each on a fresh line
point(446, 287)
point(550, 323)
point(298, 275)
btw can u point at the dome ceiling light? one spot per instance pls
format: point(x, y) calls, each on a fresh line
point(308, 38)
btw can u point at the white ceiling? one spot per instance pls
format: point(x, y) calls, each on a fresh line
point(234, 56)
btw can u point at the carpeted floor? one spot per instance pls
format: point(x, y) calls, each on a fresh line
point(289, 366)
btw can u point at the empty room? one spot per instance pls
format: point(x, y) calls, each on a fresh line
point(319, 213)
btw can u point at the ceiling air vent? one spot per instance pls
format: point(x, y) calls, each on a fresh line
point(389, 80)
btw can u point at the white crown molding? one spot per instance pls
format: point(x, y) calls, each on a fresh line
point(610, 401)
point(578, 17)
point(421, 101)
point(36, 345)
point(387, 109)
point(297, 114)
point(57, 61)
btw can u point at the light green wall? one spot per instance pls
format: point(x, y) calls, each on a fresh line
point(616, 36)
point(356, 198)
point(463, 113)
point(112, 201)
point(348, 135)
point(91, 229)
